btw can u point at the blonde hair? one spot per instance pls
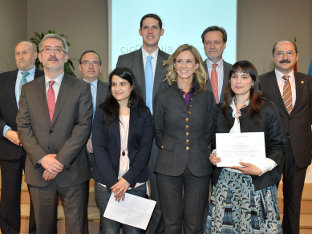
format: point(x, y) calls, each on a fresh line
point(200, 73)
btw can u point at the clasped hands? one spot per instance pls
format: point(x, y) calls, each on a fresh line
point(52, 166)
point(246, 168)
point(120, 188)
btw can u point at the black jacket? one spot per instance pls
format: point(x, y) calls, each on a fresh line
point(267, 121)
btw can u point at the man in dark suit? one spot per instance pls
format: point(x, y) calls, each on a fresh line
point(214, 39)
point(90, 66)
point(291, 92)
point(12, 155)
point(146, 64)
point(54, 123)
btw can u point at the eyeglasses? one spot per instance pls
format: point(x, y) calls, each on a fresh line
point(87, 62)
point(281, 54)
point(56, 50)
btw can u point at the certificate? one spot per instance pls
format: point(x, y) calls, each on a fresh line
point(134, 211)
point(233, 148)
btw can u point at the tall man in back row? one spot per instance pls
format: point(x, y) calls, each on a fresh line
point(146, 64)
point(291, 92)
point(214, 39)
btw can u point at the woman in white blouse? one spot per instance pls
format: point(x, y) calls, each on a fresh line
point(122, 138)
point(244, 198)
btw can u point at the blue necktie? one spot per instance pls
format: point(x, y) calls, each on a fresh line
point(23, 81)
point(93, 94)
point(149, 83)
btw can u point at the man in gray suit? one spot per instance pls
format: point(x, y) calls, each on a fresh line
point(54, 123)
point(90, 66)
point(214, 39)
point(149, 56)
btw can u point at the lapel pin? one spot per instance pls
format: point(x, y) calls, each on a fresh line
point(302, 82)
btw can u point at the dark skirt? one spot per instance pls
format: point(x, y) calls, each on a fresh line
point(236, 207)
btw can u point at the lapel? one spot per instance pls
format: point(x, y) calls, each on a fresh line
point(100, 93)
point(132, 122)
point(11, 81)
point(43, 98)
point(158, 78)
point(139, 70)
point(299, 91)
point(208, 83)
point(64, 92)
point(226, 73)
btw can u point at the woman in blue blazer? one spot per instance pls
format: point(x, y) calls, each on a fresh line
point(122, 139)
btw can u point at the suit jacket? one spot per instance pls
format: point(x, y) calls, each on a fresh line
point(106, 146)
point(267, 121)
point(8, 111)
point(297, 125)
point(101, 93)
point(183, 133)
point(226, 73)
point(66, 136)
point(134, 61)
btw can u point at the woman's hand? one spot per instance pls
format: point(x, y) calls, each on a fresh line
point(120, 188)
point(214, 159)
point(248, 169)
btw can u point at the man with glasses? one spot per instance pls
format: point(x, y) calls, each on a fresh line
point(214, 39)
point(54, 123)
point(90, 66)
point(291, 92)
point(12, 154)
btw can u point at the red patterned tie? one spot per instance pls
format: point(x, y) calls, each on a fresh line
point(214, 82)
point(287, 96)
point(51, 99)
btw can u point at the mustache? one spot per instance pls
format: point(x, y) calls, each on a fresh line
point(285, 61)
point(53, 57)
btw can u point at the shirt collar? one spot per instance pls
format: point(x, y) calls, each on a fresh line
point(145, 54)
point(57, 80)
point(210, 63)
point(31, 71)
point(279, 74)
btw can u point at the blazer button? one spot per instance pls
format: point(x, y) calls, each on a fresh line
point(187, 141)
point(187, 148)
point(190, 106)
point(186, 126)
point(187, 133)
point(186, 119)
point(190, 113)
point(162, 146)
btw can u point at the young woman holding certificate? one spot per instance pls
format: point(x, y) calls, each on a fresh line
point(244, 198)
point(122, 140)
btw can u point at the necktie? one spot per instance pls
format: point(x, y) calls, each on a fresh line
point(149, 82)
point(214, 82)
point(287, 96)
point(51, 99)
point(93, 94)
point(23, 81)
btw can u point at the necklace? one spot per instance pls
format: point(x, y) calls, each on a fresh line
point(124, 131)
point(238, 112)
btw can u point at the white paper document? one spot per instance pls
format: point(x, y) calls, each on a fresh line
point(134, 210)
point(233, 148)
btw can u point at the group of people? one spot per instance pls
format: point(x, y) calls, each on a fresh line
point(152, 127)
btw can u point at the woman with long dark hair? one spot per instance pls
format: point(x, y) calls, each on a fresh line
point(122, 139)
point(244, 198)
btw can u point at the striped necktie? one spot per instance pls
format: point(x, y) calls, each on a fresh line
point(287, 95)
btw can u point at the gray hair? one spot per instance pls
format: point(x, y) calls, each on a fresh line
point(55, 36)
point(32, 45)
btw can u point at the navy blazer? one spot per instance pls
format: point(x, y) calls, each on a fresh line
point(106, 147)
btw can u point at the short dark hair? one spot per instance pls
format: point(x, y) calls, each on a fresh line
point(110, 106)
point(156, 17)
point(90, 51)
point(215, 28)
point(274, 46)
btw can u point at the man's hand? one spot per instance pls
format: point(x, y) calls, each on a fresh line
point(89, 146)
point(13, 137)
point(51, 164)
point(248, 169)
point(48, 176)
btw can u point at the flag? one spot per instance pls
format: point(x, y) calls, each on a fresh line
point(310, 69)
